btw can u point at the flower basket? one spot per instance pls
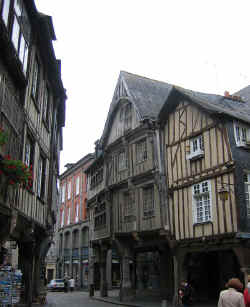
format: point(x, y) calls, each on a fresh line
point(18, 173)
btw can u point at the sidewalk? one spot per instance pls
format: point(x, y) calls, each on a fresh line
point(113, 298)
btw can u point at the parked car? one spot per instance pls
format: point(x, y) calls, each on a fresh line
point(56, 284)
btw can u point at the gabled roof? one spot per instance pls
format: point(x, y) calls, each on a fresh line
point(147, 96)
point(213, 103)
point(222, 104)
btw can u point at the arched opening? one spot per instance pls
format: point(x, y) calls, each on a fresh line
point(208, 272)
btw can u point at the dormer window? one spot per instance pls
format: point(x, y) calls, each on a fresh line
point(196, 148)
point(242, 135)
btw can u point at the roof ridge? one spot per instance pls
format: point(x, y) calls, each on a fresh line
point(143, 77)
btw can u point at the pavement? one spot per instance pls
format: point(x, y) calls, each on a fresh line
point(144, 301)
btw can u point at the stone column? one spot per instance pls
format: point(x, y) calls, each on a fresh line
point(63, 247)
point(80, 281)
point(139, 274)
point(179, 273)
point(109, 269)
point(70, 255)
point(103, 272)
point(127, 293)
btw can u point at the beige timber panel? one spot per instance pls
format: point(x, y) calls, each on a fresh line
point(224, 216)
point(216, 148)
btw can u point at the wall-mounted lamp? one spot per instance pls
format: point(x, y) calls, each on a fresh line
point(223, 193)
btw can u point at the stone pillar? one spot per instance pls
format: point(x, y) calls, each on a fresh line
point(179, 273)
point(70, 257)
point(63, 248)
point(103, 272)
point(139, 274)
point(79, 277)
point(127, 293)
point(109, 269)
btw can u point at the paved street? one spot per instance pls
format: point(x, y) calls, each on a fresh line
point(82, 299)
point(73, 299)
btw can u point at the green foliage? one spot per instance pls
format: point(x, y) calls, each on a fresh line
point(17, 172)
point(3, 137)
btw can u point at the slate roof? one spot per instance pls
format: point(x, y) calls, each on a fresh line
point(150, 99)
point(221, 104)
point(147, 95)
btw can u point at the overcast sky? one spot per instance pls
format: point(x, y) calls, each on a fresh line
point(202, 45)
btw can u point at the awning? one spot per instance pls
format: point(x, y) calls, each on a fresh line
point(85, 261)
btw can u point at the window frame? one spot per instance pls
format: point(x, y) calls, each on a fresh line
point(141, 151)
point(128, 205)
point(122, 160)
point(69, 190)
point(41, 177)
point(69, 215)
point(247, 193)
point(29, 155)
point(201, 198)
point(77, 185)
point(196, 148)
point(5, 11)
point(241, 134)
point(63, 187)
point(77, 207)
point(62, 217)
point(148, 201)
point(35, 82)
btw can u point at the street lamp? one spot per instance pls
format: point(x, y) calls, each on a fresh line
point(223, 193)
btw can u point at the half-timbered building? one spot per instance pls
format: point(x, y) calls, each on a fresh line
point(205, 145)
point(125, 191)
point(32, 114)
point(169, 190)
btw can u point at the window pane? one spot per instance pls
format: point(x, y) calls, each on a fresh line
point(21, 48)
point(35, 79)
point(18, 7)
point(15, 33)
point(5, 12)
point(39, 177)
point(25, 59)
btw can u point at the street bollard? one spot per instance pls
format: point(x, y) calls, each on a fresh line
point(164, 303)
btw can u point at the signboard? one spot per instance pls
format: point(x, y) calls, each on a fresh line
point(10, 286)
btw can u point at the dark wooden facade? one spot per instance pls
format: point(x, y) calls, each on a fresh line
point(32, 107)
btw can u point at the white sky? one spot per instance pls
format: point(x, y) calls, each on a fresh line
point(202, 45)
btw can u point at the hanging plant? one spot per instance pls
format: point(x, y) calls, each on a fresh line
point(18, 173)
point(3, 137)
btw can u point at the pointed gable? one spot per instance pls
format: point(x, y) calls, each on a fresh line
point(147, 97)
